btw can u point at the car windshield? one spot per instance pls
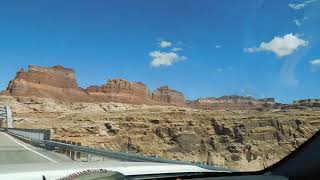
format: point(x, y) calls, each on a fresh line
point(225, 84)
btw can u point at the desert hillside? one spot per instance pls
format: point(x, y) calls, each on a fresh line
point(241, 139)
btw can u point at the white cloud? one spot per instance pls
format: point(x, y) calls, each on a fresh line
point(218, 46)
point(301, 5)
point(176, 49)
point(282, 46)
point(164, 44)
point(315, 62)
point(165, 58)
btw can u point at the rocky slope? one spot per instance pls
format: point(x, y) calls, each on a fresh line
point(241, 139)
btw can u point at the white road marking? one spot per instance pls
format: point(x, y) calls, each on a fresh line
point(50, 159)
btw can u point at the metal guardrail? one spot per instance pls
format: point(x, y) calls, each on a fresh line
point(41, 138)
point(33, 134)
point(123, 156)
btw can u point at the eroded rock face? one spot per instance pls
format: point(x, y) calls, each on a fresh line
point(54, 82)
point(234, 102)
point(167, 95)
point(120, 90)
point(60, 83)
point(56, 76)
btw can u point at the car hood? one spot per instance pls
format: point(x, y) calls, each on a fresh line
point(60, 170)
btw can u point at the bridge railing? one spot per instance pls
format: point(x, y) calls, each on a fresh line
point(41, 138)
point(32, 134)
point(124, 156)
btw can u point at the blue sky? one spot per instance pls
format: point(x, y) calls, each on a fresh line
point(202, 48)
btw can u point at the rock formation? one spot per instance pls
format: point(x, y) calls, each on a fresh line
point(54, 82)
point(60, 83)
point(246, 133)
point(120, 90)
point(56, 76)
point(234, 102)
point(167, 95)
point(303, 104)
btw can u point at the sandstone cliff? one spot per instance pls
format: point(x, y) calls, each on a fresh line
point(234, 102)
point(60, 83)
point(54, 82)
point(167, 95)
point(120, 90)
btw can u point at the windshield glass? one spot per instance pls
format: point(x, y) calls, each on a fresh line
point(232, 84)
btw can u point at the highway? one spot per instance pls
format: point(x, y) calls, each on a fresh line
point(14, 151)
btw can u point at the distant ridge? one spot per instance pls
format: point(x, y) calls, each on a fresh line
point(60, 83)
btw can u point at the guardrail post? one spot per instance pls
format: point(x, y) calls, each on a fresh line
point(78, 154)
point(61, 150)
point(73, 153)
point(68, 152)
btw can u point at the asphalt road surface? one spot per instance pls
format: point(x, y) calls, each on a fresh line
point(14, 151)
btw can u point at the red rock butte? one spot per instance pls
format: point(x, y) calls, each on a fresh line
point(165, 94)
point(60, 83)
